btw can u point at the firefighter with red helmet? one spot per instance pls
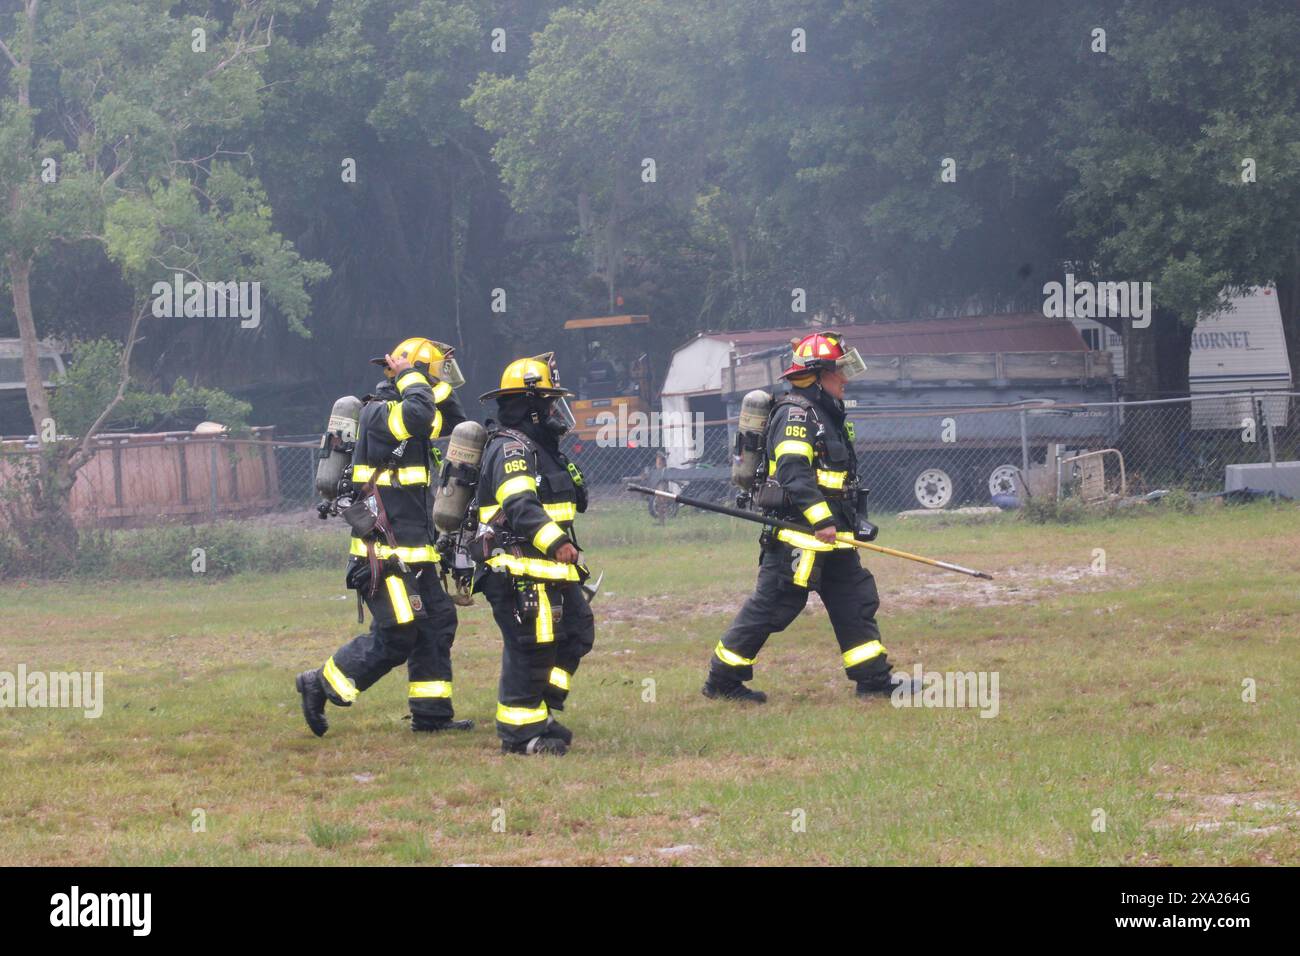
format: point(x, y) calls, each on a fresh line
point(811, 477)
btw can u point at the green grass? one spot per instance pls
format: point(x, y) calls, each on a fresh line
point(1120, 692)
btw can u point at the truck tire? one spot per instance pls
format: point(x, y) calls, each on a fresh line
point(934, 487)
point(1004, 480)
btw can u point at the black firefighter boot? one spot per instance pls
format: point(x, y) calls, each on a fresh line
point(313, 701)
point(421, 724)
point(556, 729)
point(731, 690)
point(543, 744)
point(886, 685)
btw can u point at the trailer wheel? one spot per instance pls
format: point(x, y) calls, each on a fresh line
point(934, 488)
point(661, 509)
point(1004, 480)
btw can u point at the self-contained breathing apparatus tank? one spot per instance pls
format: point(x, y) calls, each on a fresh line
point(750, 438)
point(459, 476)
point(335, 453)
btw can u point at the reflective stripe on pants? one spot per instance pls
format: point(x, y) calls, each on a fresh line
point(848, 592)
point(342, 684)
point(521, 716)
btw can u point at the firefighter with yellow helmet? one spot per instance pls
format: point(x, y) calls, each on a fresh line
point(528, 560)
point(809, 474)
point(393, 563)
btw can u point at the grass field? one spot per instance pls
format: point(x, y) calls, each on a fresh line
point(1121, 692)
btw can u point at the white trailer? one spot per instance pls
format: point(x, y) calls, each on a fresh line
point(1241, 349)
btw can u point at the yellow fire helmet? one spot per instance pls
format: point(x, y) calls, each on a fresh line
point(435, 356)
point(536, 375)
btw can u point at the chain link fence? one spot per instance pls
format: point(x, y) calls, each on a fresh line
point(943, 457)
point(931, 458)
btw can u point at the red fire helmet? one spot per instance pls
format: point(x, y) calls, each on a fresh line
point(821, 351)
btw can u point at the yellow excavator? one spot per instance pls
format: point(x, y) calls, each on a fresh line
point(611, 389)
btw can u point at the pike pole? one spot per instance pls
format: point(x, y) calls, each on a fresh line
point(800, 529)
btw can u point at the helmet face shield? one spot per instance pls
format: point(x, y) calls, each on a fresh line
point(451, 373)
point(851, 365)
point(561, 418)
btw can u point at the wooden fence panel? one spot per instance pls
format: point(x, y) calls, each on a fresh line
point(142, 479)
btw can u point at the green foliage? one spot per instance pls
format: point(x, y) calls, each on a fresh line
point(1047, 510)
point(1157, 143)
point(91, 383)
point(168, 552)
point(521, 169)
point(148, 130)
point(1180, 501)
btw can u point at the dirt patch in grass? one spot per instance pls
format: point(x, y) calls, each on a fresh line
point(1028, 584)
point(1246, 813)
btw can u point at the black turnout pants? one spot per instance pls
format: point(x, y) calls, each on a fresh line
point(539, 657)
point(847, 589)
point(422, 642)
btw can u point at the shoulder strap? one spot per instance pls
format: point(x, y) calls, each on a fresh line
point(516, 435)
point(790, 398)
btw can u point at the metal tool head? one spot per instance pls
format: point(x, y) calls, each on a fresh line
point(589, 588)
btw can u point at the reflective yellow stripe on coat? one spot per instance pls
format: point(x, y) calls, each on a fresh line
point(559, 511)
point(421, 555)
point(397, 424)
point(411, 475)
point(818, 512)
point(409, 378)
point(518, 485)
point(539, 569)
point(399, 599)
point(808, 542)
point(547, 535)
point(791, 447)
point(833, 480)
point(545, 625)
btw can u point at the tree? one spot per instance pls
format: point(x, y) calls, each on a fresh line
point(118, 124)
point(1186, 160)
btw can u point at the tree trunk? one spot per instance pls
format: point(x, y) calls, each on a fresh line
point(38, 403)
point(1141, 369)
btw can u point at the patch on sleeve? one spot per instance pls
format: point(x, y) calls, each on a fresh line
point(796, 414)
point(513, 449)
